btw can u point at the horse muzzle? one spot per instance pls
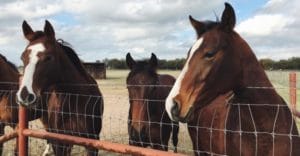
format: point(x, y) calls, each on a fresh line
point(25, 98)
point(137, 138)
point(178, 116)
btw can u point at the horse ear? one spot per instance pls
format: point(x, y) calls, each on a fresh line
point(153, 60)
point(130, 61)
point(48, 29)
point(27, 31)
point(228, 18)
point(198, 26)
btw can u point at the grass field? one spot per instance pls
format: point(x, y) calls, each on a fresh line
point(117, 105)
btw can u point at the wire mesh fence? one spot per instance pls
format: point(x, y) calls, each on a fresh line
point(115, 118)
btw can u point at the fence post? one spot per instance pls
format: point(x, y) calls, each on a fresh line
point(22, 139)
point(23, 124)
point(293, 93)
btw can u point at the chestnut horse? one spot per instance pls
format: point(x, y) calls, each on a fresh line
point(148, 122)
point(9, 79)
point(55, 75)
point(225, 96)
point(9, 84)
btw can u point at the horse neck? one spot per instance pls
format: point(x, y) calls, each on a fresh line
point(8, 87)
point(10, 75)
point(71, 78)
point(256, 87)
point(9, 78)
point(256, 101)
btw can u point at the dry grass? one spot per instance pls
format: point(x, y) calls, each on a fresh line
point(116, 111)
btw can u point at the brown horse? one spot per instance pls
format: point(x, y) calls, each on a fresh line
point(9, 84)
point(225, 96)
point(148, 122)
point(69, 97)
point(9, 79)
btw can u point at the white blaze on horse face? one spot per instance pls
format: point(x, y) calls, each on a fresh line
point(30, 69)
point(175, 90)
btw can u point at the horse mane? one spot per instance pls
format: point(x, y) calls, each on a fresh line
point(13, 66)
point(73, 57)
point(208, 24)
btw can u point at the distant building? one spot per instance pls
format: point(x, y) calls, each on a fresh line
point(96, 69)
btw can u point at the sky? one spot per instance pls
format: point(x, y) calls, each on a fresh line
point(109, 29)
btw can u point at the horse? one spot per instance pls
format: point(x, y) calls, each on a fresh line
point(148, 123)
point(70, 98)
point(223, 86)
point(9, 84)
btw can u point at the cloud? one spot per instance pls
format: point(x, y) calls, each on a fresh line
point(264, 25)
point(106, 29)
point(272, 30)
point(110, 29)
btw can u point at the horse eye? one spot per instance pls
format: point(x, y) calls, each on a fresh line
point(210, 53)
point(48, 58)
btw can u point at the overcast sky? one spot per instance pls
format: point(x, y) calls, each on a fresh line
point(110, 29)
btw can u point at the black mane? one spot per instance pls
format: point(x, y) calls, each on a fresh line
point(73, 58)
point(13, 66)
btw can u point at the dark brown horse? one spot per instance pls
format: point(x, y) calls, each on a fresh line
point(55, 76)
point(225, 96)
point(9, 79)
point(9, 84)
point(148, 122)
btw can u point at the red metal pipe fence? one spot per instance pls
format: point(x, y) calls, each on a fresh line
point(22, 139)
point(109, 146)
point(9, 136)
point(293, 93)
point(23, 133)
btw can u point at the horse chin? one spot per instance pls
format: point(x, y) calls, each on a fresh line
point(32, 105)
point(187, 117)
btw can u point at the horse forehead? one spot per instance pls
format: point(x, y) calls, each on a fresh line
point(196, 45)
point(141, 76)
point(194, 48)
point(35, 49)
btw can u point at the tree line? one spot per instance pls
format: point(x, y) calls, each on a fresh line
point(289, 64)
point(177, 64)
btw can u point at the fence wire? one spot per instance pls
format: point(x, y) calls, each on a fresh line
point(115, 118)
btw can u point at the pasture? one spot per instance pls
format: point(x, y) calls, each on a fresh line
point(116, 110)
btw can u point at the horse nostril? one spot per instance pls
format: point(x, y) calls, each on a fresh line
point(175, 109)
point(30, 98)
